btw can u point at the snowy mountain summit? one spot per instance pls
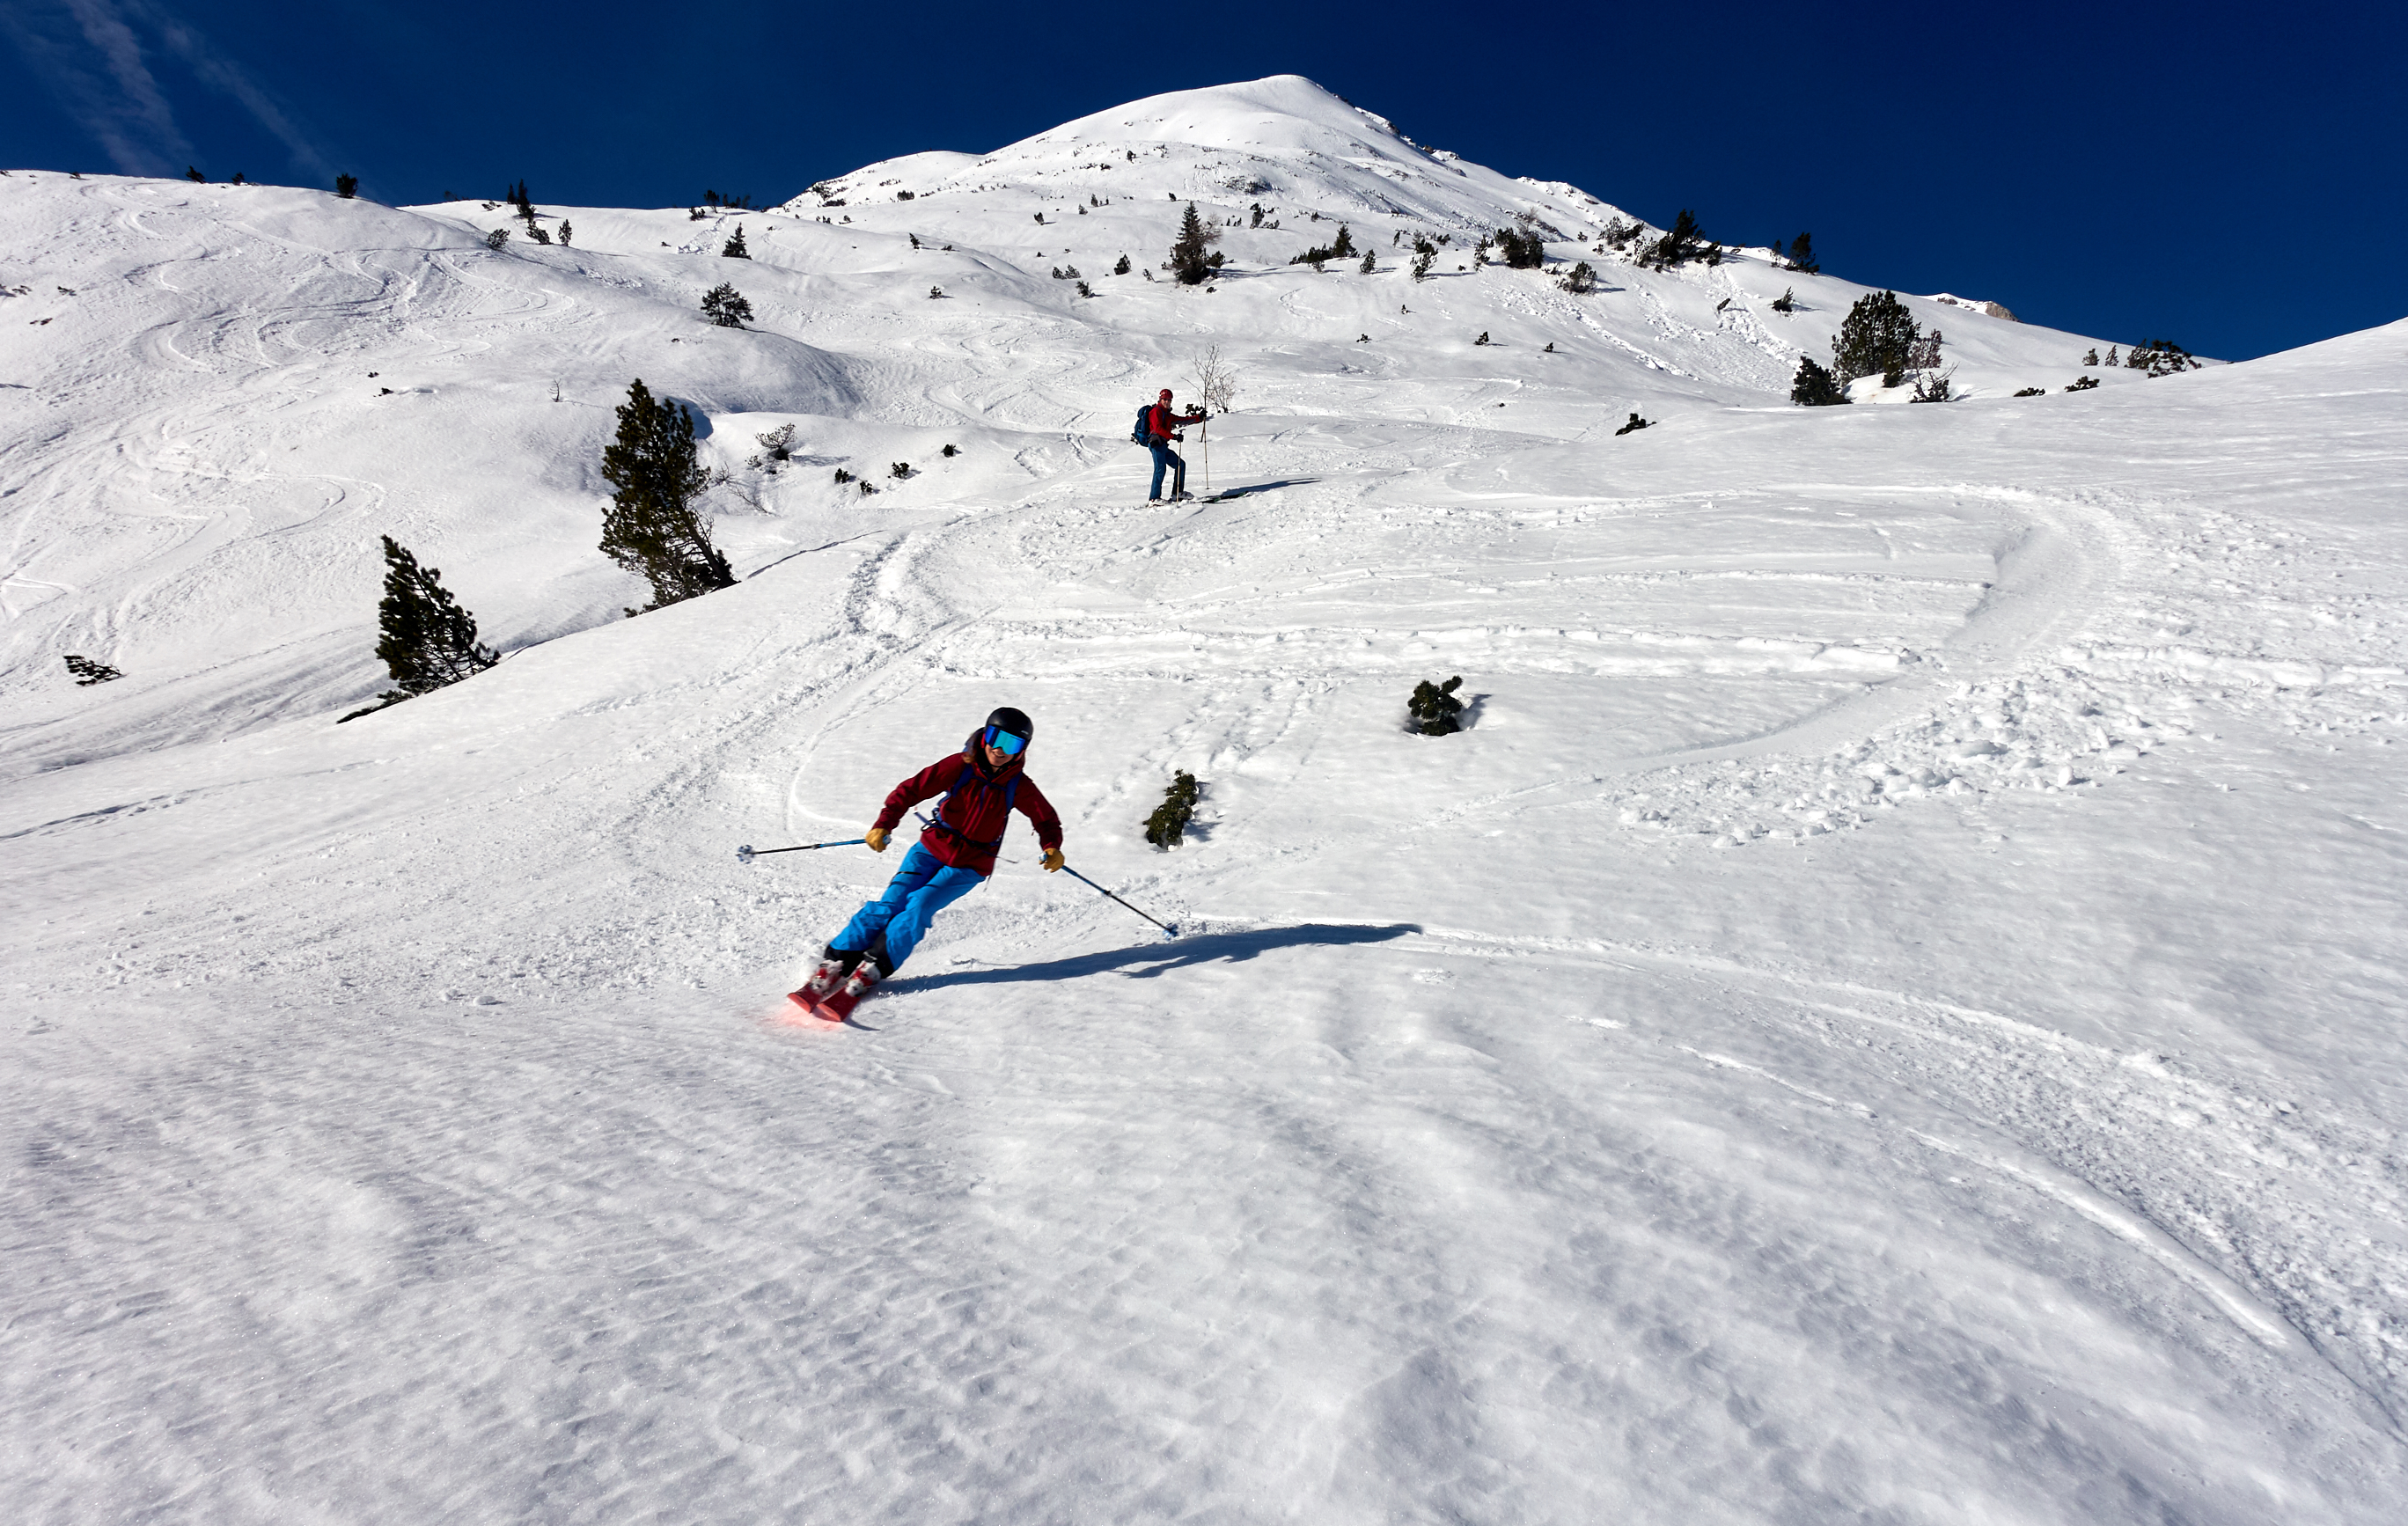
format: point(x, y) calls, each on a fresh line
point(1884, 1010)
point(1283, 141)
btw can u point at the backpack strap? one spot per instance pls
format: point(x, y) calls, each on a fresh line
point(1011, 792)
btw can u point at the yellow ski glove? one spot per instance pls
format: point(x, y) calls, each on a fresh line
point(876, 838)
point(1052, 859)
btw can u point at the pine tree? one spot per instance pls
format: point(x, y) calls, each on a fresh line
point(725, 306)
point(1344, 247)
point(1122, 268)
point(1582, 280)
point(347, 186)
point(1434, 707)
point(652, 526)
point(1187, 254)
point(1167, 826)
point(1876, 338)
point(1680, 245)
point(1813, 387)
point(195, 176)
point(1371, 262)
point(87, 672)
point(736, 249)
point(424, 637)
point(1424, 256)
point(1802, 255)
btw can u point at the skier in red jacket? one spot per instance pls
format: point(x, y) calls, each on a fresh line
point(982, 784)
point(1162, 424)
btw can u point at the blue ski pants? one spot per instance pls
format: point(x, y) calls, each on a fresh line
point(924, 886)
point(1163, 456)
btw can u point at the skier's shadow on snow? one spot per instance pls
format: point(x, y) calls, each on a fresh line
point(1145, 961)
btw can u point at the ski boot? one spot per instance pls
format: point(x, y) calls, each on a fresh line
point(839, 1006)
point(825, 981)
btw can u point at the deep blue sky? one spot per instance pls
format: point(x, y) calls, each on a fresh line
point(2228, 179)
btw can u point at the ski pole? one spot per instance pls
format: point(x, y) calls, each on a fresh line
point(1168, 931)
point(747, 853)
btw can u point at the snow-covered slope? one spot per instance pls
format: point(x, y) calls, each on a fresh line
point(1888, 1013)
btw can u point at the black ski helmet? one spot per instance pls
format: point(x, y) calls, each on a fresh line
point(1012, 721)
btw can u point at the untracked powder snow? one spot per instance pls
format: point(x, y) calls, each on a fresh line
point(1888, 1011)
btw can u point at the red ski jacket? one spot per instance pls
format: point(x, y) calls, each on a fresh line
point(978, 802)
point(1160, 422)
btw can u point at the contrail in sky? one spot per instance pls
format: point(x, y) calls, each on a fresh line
point(91, 54)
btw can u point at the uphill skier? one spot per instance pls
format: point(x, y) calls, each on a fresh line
point(981, 785)
point(1160, 427)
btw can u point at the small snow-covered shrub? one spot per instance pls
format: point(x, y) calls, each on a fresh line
point(1122, 268)
point(1167, 826)
point(2034, 392)
point(347, 186)
point(497, 238)
point(1786, 301)
point(1582, 280)
point(1434, 707)
point(1635, 424)
point(900, 470)
point(2083, 384)
point(87, 672)
point(1521, 248)
point(2160, 358)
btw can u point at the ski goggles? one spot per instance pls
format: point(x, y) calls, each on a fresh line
point(1004, 741)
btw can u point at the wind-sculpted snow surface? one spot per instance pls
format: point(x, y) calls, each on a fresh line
point(1887, 1012)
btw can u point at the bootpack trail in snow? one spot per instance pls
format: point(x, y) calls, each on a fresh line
point(1884, 1010)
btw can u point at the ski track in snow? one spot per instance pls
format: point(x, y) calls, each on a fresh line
point(1883, 1014)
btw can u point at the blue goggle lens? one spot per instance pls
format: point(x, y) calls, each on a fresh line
point(1004, 742)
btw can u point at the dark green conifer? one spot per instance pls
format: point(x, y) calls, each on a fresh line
point(347, 186)
point(654, 527)
point(1187, 254)
point(736, 249)
point(424, 637)
point(1876, 338)
point(1167, 826)
point(1679, 246)
point(1813, 387)
point(725, 306)
point(1434, 707)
